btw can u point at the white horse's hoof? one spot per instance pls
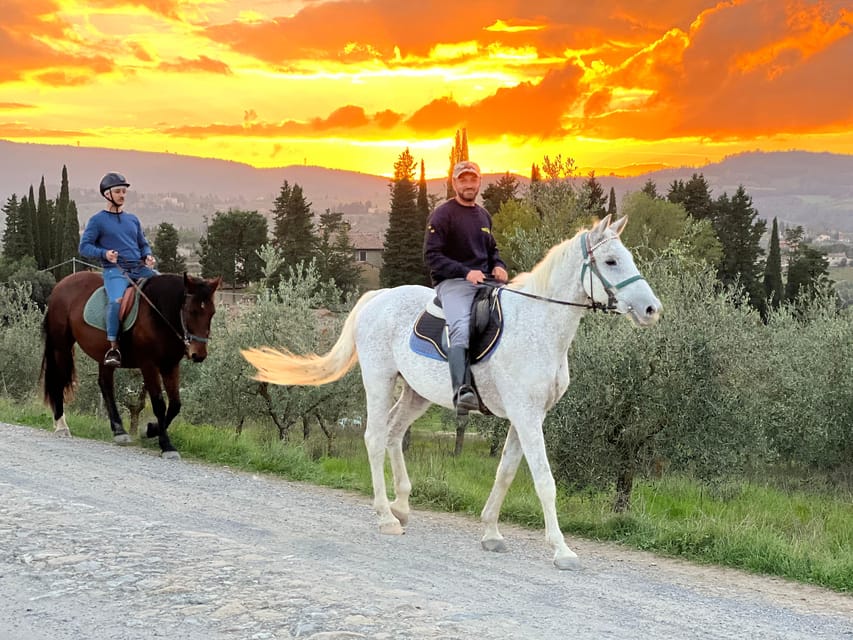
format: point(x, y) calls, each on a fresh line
point(62, 433)
point(170, 455)
point(403, 517)
point(122, 439)
point(569, 563)
point(494, 544)
point(391, 529)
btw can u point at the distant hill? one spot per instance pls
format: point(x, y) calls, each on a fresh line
point(812, 189)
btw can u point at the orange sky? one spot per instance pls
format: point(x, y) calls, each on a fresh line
point(351, 83)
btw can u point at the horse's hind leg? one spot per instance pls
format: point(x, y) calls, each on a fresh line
point(380, 398)
point(510, 459)
point(408, 408)
point(106, 381)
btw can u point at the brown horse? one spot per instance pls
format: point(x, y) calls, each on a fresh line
point(173, 322)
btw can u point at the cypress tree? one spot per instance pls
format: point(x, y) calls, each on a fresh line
point(402, 258)
point(774, 288)
point(44, 217)
point(70, 238)
point(423, 197)
point(32, 224)
point(611, 205)
point(458, 153)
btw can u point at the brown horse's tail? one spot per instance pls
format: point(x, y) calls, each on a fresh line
point(284, 367)
point(57, 367)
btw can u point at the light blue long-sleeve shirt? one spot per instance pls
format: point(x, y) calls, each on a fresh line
point(120, 231)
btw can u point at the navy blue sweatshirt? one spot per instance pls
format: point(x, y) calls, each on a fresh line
point(459, 239)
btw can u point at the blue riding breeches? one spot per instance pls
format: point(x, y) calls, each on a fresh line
point(115, 283)
point(456, 296)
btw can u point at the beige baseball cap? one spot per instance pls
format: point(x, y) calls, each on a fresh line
point(466, 166)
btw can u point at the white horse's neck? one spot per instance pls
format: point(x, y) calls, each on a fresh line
point(557, 277)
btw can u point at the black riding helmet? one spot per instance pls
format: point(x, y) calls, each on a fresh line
point(111, 180)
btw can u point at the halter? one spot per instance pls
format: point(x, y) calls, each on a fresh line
point(589, 262)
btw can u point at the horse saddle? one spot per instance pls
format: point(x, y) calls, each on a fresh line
point(95, 311)
point(430, 336)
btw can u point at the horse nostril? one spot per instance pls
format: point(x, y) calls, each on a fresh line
point(198, 358)
point(651, 310)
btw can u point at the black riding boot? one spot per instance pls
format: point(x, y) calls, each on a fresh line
point(464, 398)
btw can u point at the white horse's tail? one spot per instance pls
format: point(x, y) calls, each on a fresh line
point(284, 367)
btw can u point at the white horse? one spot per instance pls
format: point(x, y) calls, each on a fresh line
point(521, 381)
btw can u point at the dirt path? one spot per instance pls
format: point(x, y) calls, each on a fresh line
point(98, 542)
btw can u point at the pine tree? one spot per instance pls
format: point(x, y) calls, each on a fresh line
point(293, 230)
point(402, 258)
point(694, 196)
point(336, 255)
point(650, 189)
point(774, 288)
point(497, 193)
point(229, 247)
point(611, 204)
point(592, 197)
point(739, 231)
point(165, 249)
point(15, 243)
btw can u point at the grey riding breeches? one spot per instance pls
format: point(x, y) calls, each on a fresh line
point(456, 296)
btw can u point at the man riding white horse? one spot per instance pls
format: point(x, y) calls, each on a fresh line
point(459, 250)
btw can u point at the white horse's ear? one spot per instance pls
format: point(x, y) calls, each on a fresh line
point(619, 225)
point(602, 224)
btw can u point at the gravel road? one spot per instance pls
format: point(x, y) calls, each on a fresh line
point(102, 542)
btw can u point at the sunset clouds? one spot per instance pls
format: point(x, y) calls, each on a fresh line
point(351, 83)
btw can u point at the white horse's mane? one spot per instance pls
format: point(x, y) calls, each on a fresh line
point(536, 280)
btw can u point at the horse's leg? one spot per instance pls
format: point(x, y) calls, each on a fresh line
point(106, 381)
point(529, 431)
point(380, 397)
point(408, 408)
point(151, 378)
point(172, 383)
point(510, 459)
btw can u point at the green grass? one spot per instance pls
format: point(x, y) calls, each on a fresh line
point(802, 535)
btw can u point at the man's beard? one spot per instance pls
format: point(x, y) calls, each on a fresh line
point(463, 195)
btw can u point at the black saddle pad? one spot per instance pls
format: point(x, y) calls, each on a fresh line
point(486, 326)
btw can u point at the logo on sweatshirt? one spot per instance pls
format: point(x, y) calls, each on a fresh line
point(485, 230)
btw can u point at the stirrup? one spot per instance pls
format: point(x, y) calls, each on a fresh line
point(113, 358)
point(465, 400)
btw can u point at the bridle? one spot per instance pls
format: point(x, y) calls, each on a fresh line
point(184, 335)
point(589, 264)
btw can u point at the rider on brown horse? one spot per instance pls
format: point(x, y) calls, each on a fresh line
point(115, 237)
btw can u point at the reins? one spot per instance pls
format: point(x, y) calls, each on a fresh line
point(589, 263)
point(186, 337)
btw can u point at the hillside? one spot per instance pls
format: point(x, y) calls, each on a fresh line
point(812, 189)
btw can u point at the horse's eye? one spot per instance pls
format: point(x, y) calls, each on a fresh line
point(610, 262)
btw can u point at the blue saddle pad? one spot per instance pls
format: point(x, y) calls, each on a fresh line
point(95, 311)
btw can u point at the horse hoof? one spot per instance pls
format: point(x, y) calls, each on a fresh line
point(391, 529)
point(494, 544)
point(62, 433)
point(121, 438)
point(170, 455)
point(401, 516)
point(570, 563)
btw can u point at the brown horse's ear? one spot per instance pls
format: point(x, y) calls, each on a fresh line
point(214, 283)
